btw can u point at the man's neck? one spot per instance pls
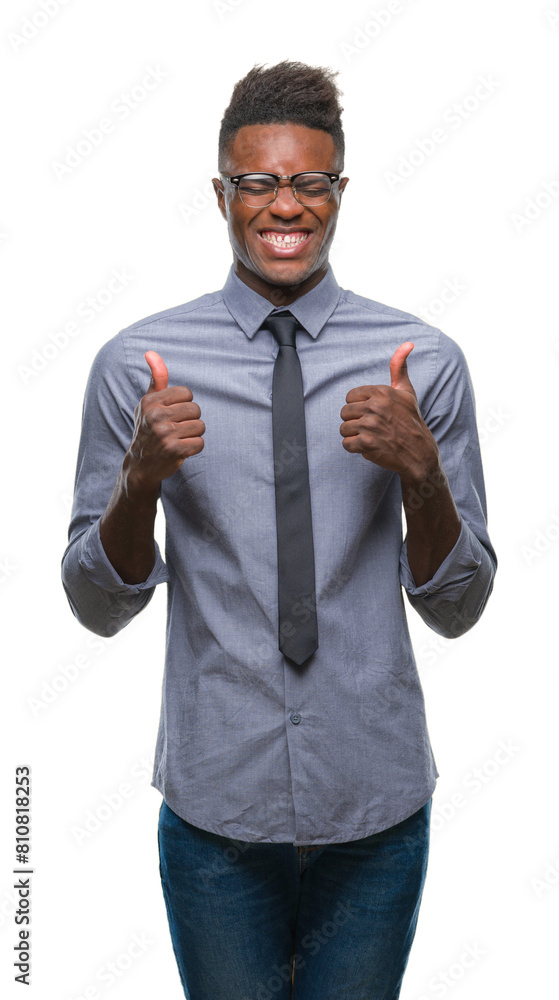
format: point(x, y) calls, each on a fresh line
point(278, 295)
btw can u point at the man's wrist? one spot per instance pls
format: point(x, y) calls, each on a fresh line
point(423, 479)
point(138, 491)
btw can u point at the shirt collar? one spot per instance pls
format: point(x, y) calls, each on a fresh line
point(312, 310)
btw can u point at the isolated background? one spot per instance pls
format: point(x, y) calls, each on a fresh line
point(82, 711)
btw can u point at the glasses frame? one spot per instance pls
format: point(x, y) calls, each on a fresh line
point(334, 178)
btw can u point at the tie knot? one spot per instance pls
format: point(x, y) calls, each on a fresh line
point(283, 326)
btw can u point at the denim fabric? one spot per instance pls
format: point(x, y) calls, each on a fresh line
point(252, 921)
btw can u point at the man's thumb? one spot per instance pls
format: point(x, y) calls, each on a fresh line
point(399, 378)
point(159, 373)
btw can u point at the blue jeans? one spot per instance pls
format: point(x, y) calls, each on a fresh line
point(254, 921)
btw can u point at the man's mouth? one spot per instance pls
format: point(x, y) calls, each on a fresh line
point(285, 240)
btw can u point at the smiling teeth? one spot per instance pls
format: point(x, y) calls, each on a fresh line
point(285, 239)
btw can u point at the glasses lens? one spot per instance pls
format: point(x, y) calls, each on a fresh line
point(312, 189)
point(257, 189)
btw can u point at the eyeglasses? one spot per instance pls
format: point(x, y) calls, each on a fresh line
point(259, 190)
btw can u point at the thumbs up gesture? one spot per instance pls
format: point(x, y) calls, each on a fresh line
point(167, 428)
point(385, 425)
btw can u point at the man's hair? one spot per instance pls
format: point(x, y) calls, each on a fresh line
point(289, 93)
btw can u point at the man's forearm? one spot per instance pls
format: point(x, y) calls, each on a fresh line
point(433, 522)
point(126, 527)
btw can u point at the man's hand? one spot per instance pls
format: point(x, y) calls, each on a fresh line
point(167, 428)
point(384, 423)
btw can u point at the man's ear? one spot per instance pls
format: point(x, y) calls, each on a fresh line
point(218, 188)
point(343, 185)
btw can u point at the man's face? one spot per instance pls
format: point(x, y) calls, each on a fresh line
point(284, 150)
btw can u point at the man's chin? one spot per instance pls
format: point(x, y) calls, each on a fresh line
point(288, 274)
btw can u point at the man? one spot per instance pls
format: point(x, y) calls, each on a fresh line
point(293, 754)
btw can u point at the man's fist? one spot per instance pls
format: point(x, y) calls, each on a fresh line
point(167, 428)
point(385, 425)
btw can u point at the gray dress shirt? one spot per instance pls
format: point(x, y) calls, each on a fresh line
point(250, 746)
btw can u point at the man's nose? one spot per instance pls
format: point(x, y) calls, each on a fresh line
point(286, 204)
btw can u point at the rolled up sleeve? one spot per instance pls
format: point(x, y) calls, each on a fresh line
point(98, 597)
point(452, 601)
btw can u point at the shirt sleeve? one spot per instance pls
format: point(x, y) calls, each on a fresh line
point(454, 598)
point(100, 600)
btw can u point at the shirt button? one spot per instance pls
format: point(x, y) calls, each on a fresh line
point(295, 718)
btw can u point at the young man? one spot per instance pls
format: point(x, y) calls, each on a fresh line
point(293, 753)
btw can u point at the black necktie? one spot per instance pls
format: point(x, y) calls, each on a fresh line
point(298, 629)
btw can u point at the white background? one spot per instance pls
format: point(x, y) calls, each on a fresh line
point(140, 202)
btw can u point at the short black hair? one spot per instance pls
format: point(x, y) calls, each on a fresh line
point(289, 93)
